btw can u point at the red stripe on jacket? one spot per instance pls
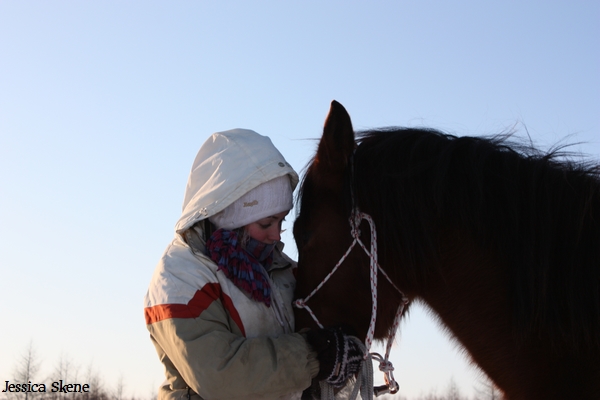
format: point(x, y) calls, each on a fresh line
point(202, 299)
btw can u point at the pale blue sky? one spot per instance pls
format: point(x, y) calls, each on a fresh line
point(103, 106)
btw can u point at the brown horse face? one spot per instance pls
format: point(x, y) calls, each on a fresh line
point(322, 234)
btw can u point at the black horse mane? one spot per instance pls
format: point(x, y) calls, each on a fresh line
point(538, 211)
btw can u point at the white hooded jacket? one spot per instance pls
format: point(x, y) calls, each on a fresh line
point(213, 339)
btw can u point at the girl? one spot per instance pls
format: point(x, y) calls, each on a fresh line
point(219, 306)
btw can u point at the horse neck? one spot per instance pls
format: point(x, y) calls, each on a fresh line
point(471, 300)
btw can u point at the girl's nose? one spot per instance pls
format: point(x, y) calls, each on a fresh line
point(275, 233)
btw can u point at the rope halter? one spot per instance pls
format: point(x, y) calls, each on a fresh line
point(385, 365)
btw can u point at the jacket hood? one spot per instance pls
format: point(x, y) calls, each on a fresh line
point(228, 165)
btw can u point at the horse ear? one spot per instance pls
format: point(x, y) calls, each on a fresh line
point(337, 142)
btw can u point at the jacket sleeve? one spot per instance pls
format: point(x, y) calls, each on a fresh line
point(219, 363)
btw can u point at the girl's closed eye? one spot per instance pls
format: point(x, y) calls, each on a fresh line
point(267, 230)
point(270, 224)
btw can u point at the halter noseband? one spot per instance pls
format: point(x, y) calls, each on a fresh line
point(384, 364)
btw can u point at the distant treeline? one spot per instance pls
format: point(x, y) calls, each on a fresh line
point(67, 381)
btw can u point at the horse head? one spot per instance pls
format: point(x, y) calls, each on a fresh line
point(324, 237)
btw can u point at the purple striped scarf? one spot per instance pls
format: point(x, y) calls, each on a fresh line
point(244, 264)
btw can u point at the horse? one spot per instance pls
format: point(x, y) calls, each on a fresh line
point(500, 240)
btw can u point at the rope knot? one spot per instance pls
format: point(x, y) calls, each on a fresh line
point(386, 366)
point(299, 303)
point(355, 230)
point(355, 220)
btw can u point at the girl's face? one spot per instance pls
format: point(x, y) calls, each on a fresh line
point(267, 230)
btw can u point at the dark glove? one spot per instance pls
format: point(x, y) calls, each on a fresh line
point(339, 356)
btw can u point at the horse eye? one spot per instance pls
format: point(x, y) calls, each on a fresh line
point(301, 235)
point(305, 237)
point(301, 238)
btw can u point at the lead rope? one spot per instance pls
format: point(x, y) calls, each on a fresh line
point(365, 377)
